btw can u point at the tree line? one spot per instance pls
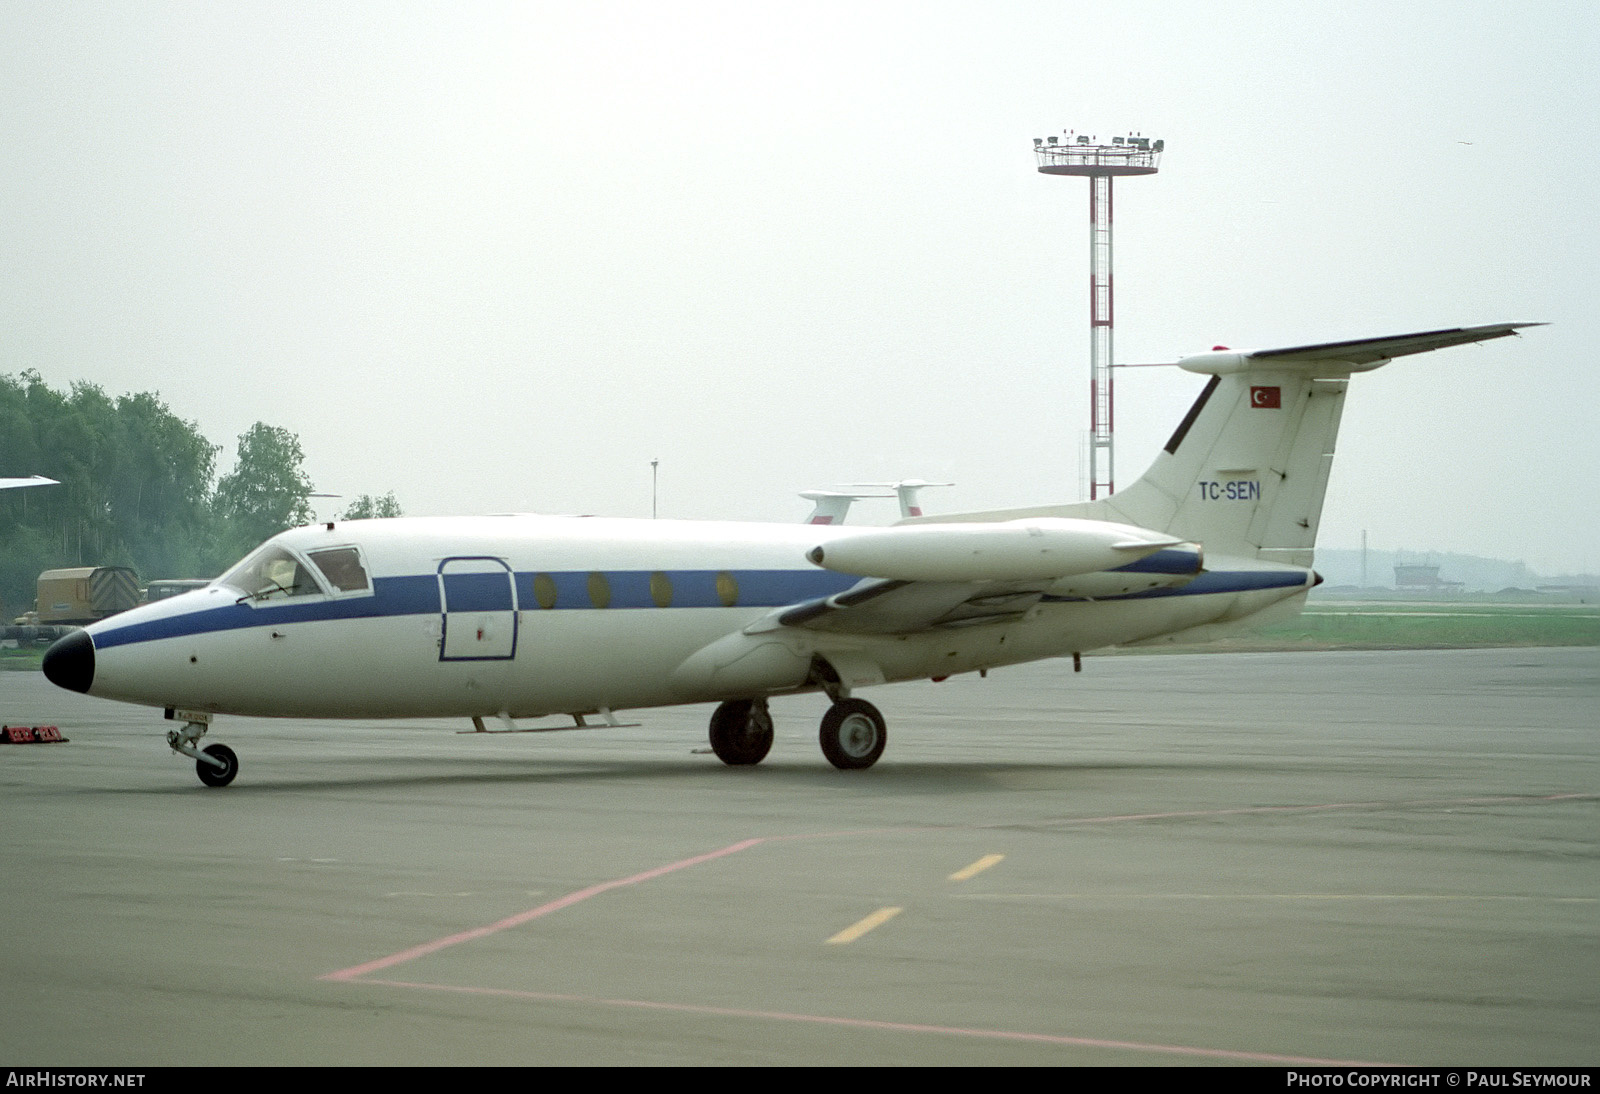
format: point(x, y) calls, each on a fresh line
point(138, 487)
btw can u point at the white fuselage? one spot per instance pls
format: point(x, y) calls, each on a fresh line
point(530, 615)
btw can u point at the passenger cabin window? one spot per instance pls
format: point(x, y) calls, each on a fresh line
point(342, 567)
point(661, 589)
point(272, 574)
point(544, 590)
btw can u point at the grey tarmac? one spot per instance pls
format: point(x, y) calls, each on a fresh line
point(1386, 857)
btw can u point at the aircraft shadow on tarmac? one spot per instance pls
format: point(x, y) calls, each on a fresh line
point(898, 778)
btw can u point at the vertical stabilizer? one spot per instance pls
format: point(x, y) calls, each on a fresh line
point(1246, 470)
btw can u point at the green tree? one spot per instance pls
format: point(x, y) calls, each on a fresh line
point(135, 485)
point(366, 507)
point(159, 489)
point(266, 492)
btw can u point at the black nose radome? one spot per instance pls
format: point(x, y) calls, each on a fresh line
point(69, 662)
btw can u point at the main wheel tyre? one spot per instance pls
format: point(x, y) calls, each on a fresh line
point(741, 732)
point(853, 734)
point(217, 776)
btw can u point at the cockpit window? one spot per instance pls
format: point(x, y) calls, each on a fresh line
point(343, 569)
point(272, 574)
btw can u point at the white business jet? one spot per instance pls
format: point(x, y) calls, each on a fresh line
point(31, 480)
point(527, 616)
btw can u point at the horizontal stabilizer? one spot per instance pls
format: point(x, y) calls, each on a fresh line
point(1245, 472)
point(1354, 356)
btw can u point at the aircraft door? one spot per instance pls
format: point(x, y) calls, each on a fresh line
point(479, 598)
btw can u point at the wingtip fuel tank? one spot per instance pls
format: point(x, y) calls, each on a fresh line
point(1020, 550)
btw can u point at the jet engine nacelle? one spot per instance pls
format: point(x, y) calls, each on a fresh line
point(1036, 549)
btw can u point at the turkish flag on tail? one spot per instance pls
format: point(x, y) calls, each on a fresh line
point(1266, 398)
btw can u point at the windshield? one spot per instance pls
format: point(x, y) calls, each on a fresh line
point(271, 574)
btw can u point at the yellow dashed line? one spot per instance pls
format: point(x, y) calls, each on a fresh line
point(855, 931)
point(976, 868)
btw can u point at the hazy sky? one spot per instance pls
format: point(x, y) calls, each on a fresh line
point(497, 257)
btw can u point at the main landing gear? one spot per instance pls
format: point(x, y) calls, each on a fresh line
point(741, 732)
point(852, 735)
point(216, 765)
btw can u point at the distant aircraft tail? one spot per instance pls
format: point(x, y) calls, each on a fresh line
point(1245, 472)
point(831, 507)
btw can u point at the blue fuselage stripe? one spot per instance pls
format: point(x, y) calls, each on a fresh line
point(1168, 560)
point(419, 595)
point(478, 592)
point(1210, 583)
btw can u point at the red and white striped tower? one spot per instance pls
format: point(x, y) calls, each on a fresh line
point(1085, 155)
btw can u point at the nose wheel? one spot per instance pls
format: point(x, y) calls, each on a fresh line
point(216, 766)
point(213, 775)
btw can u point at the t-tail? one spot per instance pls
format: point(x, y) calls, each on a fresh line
point(1245, 471)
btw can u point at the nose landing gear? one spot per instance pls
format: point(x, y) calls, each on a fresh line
point(217, 765)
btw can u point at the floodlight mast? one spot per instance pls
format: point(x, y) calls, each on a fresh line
point(1100, 163)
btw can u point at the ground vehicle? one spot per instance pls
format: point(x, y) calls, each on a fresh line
point(84, 594)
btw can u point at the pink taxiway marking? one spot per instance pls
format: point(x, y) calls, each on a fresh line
point(531, 914)
point(362, 973)
point(891, 1027)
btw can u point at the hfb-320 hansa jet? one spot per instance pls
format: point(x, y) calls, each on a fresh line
point(527, 616)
